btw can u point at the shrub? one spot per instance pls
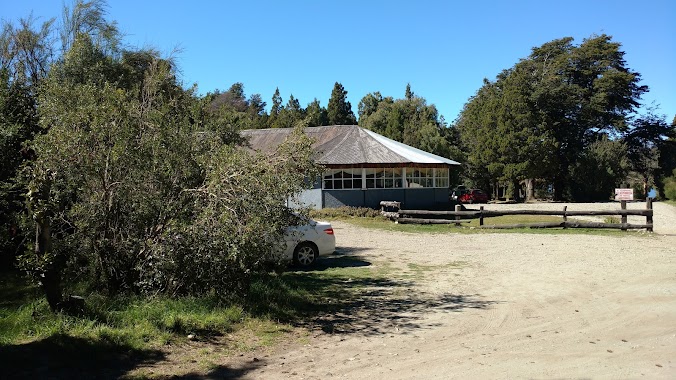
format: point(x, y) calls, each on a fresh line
point(345, 212)
point(670, 186)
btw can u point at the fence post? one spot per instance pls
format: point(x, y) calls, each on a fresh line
point(623, 206)
point(565, 217)
point(457, 217)
point(649, 217)
point(481, 215)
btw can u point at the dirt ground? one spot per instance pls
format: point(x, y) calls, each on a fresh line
point(482, 306)
point(498, 305)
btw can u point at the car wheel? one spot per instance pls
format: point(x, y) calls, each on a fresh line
point(305, 254)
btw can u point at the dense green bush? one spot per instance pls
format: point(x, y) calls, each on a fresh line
point(345, 212)
point(670, 187)
point(134, 188)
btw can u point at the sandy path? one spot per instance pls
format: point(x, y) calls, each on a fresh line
point(500, 306)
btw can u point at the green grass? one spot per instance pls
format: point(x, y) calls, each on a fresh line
point(294, 295)
point(132, 321)
point(138, 322)
point(118, 334)
point(612, 219)
point(473, 227)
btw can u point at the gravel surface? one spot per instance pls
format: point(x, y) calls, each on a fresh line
point(498, 305)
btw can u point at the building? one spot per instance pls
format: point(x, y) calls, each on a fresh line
point(363, 168)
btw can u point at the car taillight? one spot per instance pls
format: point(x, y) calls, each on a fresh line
point(329, 231)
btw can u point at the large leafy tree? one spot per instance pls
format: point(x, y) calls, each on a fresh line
point(549, 108)
point(111, 176)
point(606, 162)
point(26, 53)
point(650, 149)
point(232, 111)
point(517, 147)
point(134, 189)
point(339, 110)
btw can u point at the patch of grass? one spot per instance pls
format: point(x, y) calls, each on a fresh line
point(670, 202)
point(141, 322)
point(473, 226)
point(132, 321)
point(345, 212)
point(294, 295)
point(119, 334)
point(612, 219)
point(515, 219)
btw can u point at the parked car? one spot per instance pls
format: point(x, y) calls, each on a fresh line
point(458, 191)
point(307, 239)
point(473, 196)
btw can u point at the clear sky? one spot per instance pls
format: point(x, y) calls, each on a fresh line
point(444, 49)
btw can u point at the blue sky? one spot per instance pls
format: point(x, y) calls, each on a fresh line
point(444, 49)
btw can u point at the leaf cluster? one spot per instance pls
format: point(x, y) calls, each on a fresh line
point(548, 115)
point(409, 120)
point(142, 185)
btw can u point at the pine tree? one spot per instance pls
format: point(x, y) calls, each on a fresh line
point(339, 109)
point(275, 109)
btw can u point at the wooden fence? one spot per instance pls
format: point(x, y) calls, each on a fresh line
point(393, 211)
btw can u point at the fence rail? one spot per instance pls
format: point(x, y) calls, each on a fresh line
point(392, 210)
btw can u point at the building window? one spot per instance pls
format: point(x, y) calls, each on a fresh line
point(386, 178)
point(427, 177)
point(441, 177)
point(342, 179)
point(419, 177)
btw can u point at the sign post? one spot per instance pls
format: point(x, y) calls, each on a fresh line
point(624, 194)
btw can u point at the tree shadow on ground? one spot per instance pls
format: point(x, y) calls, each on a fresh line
point(383, 309)
point(65, 357)
point(224, 372)
point(341, 258)
point(342, 251)
point(342, 295)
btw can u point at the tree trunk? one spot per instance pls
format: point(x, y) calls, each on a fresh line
point(558, 188)
point(516, 190)
point(530, 190)
point(51, 277)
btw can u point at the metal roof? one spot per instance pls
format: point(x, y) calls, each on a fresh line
point(347, 145)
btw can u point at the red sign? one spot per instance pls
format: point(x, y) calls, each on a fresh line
point(624, 194)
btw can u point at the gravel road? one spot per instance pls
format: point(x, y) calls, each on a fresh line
point(498, 305)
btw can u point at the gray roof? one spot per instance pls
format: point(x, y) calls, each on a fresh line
point(348, 145)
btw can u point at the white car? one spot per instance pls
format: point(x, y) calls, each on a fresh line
point(307, 239)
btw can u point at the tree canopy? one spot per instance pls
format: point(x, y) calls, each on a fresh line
point(409, 120)
point(538, 118)
point(131, 182)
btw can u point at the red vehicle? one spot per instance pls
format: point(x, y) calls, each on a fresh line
point(473, 196)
